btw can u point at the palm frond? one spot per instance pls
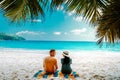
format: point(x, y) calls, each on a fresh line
point(109, 23)
point(90, 9)
point(17, 10)
point(54, 4)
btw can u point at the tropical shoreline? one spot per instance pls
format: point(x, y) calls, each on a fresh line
point(23, 64)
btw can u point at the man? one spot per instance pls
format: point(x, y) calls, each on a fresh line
point(50, 63)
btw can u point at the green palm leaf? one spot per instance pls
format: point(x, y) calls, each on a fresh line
point(17, 10)
point(104, 13)
point(109, 23)
point(90, 9)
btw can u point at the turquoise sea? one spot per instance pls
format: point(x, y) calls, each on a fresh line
point(58, 45)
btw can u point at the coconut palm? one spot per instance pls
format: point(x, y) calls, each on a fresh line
point(104, 13)
point(22, 9)
point(17, 10)
point(109, 23)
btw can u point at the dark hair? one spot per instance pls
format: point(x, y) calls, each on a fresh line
point(66, 60)
point(52, 50)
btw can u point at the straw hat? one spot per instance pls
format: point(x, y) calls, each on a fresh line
point(66, 53)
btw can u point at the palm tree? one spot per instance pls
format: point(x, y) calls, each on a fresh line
point(23, 9)
point(102, 13)
point(109, 23)
point(17, 10)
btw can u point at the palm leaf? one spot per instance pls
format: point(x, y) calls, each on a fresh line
point(17, 10)
point(55, 3)
point(90, 9)
point(109, 23)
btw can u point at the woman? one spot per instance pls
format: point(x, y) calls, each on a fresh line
point(66, 62)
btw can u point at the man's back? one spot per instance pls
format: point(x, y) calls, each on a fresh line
point(50, 64)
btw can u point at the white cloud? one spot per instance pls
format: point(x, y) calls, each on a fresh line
point(79, 31)
point(65, 33)
point(57, 33)
point(78, 19)
point(29, 33)
point(35, 20)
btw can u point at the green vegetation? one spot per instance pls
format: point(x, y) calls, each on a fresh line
point(103, 14)
point(10, 37)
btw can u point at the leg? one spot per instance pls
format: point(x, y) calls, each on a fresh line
point(61, 75)
point(50, 76)
point(72, 76)
point(41, 75)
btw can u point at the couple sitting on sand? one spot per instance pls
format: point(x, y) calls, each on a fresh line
point(50, 63)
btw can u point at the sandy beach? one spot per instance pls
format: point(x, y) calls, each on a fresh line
point(19, 64)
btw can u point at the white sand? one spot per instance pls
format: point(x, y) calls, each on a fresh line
point(18, 64)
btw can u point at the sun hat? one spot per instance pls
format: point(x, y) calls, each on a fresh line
point(66, 53)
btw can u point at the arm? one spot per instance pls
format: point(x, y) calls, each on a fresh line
point(70, 61)
point(61, 61)
point(56, 65)
point(44, 63)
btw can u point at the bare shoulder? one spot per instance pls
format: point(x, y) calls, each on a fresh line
point(53, 59)
point(46, 58)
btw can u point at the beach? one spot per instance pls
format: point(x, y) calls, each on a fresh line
point(88, 29)
point(22, 64)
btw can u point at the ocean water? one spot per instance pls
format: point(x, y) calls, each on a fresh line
point(88, 59)
point(59, 45)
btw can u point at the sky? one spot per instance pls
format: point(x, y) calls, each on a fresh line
point(57, 26)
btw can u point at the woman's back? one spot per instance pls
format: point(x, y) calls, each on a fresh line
point(66, 68)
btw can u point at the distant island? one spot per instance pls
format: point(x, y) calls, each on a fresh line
point(4, 36)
